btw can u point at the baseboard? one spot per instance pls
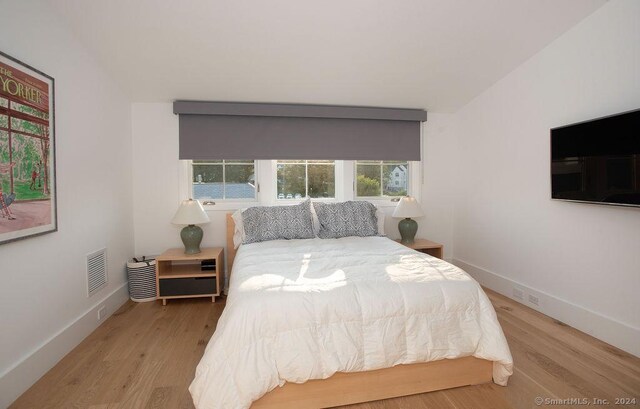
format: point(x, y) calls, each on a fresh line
point(597, 325)
point(16, 380)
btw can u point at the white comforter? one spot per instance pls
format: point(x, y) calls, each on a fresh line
point(305, 309)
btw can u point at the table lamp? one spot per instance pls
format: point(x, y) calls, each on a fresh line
point(407, 208)
point(191, 213)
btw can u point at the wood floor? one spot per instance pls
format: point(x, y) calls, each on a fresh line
point(144, 356)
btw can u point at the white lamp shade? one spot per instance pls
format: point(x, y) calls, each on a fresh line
point(190, 212)
point(408, 207)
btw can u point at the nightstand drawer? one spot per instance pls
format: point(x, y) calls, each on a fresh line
point(187, 286)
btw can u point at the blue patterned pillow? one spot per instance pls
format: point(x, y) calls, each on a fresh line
point(346, 219)
point(265, 223)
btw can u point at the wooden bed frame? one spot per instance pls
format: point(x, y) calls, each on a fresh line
point(356, 387)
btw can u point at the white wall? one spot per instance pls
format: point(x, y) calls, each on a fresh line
point(44, 309)
point(582, 260)
point(157, 182)
point(438, 190)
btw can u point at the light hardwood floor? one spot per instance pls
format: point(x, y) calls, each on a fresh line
point(144, 356)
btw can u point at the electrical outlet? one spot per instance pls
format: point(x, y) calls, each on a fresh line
point(518, 293)
point(533, 299)
point(102, 312)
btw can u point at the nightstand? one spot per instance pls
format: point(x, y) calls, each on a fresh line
point(426, 246)
point(180, 275)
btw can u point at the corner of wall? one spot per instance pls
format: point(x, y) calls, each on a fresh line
point(597, 325)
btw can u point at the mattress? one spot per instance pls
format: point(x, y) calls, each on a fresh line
point(306, 309)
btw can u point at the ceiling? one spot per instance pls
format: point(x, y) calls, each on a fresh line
point(431, 54)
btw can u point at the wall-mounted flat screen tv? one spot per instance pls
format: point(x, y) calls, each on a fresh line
point(598, 161)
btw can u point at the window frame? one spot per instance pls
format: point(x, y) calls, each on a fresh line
point(413, 185)
point(186, 173)
point(338, 183)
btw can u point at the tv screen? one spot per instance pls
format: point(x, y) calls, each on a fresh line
point(597, 161)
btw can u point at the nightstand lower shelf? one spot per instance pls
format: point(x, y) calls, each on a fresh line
point(188, 286)
point(180, 275)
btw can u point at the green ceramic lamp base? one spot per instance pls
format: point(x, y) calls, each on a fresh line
point(191, 236)
point(408, 229)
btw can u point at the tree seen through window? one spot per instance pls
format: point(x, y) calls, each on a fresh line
point(298, 179)
point(382, 178)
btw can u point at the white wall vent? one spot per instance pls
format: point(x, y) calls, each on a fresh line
point(96, 271)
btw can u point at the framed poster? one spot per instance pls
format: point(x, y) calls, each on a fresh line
point(27, 152)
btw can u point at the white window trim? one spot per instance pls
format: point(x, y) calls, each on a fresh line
point(339, 185)
point(186, 190)
point(266, 170)
point(413, 186)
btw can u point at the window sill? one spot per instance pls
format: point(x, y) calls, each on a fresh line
point(313, 199)
point(378, 201)
point(230, 205)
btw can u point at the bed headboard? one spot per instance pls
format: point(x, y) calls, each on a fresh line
point(231, 250)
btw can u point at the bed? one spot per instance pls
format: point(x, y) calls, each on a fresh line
point(324, 322)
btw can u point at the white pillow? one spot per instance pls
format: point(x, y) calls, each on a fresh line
point(238, 232)
point(315, 220)
point(380, 215)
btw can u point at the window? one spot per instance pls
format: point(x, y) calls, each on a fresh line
point(230, 184)
point(381, 178)
point(223, 179)
point(297, 179)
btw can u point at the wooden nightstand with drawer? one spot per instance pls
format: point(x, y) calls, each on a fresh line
point(180, 275)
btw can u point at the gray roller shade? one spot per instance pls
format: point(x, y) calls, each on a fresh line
point(213, 130)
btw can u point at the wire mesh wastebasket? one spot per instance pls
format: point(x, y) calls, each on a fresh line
point(141, 273)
